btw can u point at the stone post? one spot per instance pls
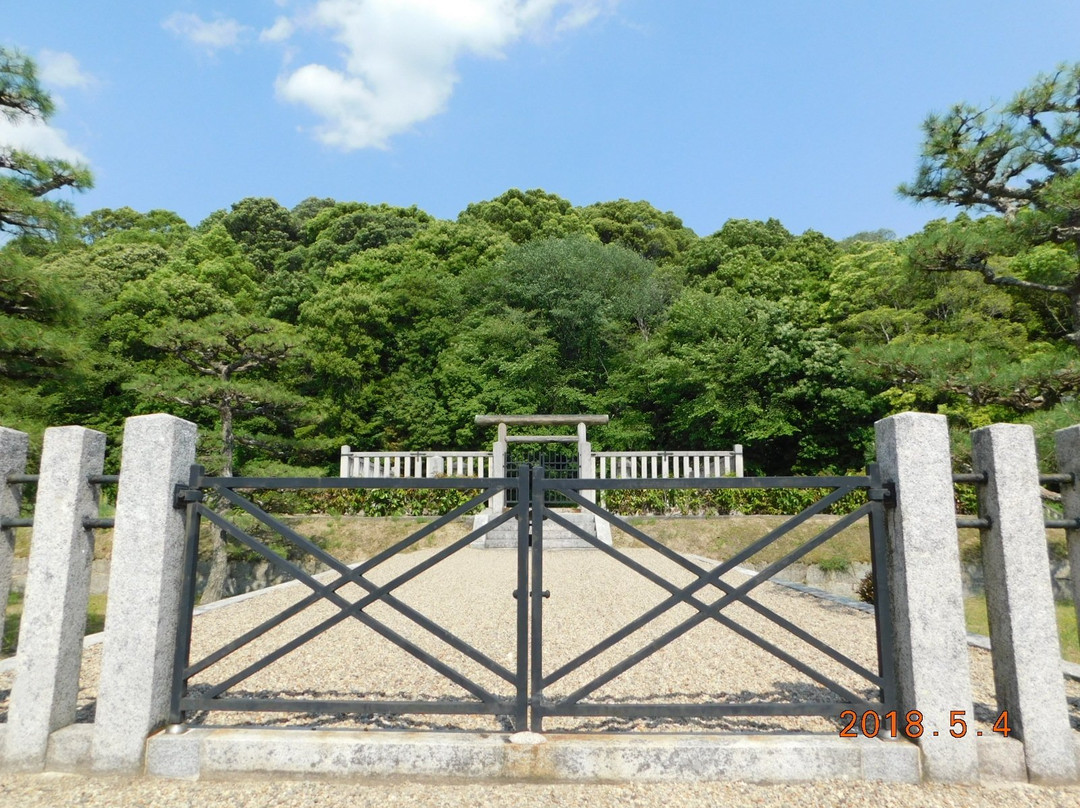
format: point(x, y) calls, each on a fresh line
point(738, 460)
point(1067, 447)
point(144, 592)
point(585, 461)
point(498, 465)
point(932, 666)
point(345, 470)
point(13, 448)
point(46, 688)
point(1020, 601)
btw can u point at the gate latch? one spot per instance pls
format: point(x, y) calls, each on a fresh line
point(544, 594)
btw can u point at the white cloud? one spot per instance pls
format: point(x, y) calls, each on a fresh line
point(281, 30)
point(210, 35)
point(36, 137)
point(60, 69)
point(401, 54)
point(584, 13)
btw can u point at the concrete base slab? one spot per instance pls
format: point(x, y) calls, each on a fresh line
point(201, 753)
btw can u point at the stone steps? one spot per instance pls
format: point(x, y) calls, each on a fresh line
point(556, 537)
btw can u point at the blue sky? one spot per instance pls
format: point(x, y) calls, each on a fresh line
point(806, 112)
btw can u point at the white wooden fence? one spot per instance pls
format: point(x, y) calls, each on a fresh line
point(675, 465)
point(604, 465)
point(415, 464)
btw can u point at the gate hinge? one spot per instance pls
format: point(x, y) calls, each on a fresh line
point(886, 494)
point(182, 495)
point(544, 594)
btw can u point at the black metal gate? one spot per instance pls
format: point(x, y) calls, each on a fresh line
point(483, 701)
point(707, 579)
point(529, 704)
point(559, 461)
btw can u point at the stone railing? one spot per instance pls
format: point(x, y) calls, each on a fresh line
point(663, 465)
point(415, 464)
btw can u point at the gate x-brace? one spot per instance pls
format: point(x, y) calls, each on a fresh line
point(527, 705)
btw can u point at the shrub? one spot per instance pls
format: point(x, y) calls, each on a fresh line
point(865, 588)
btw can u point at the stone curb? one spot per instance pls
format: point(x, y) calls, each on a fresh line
point(204, 753)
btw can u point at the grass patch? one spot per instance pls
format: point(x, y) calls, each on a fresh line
point(721, 537)
point(978, 622)
point(95, 620)
point(971, 545)
point(102, 541)
point(354, 538)
point(835, 564)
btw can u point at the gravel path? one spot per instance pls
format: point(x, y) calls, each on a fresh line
point(55, 790)
point(591, 597)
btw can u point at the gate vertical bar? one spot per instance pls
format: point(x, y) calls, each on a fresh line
point(536, 518)
point(187, 596)
point(521, 701)
point(882, 595)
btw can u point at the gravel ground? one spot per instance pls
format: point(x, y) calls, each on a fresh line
point(41, 791)
point(591, 596)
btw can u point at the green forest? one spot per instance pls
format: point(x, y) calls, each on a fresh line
point(285, 333)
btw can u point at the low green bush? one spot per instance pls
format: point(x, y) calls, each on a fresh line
point(724, 501)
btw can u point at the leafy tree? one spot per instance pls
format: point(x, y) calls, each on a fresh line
point(226, 364)
point(125, 224)
point(347, 328)
point(1018, 162)
point(502, 362)
point(640, 227)
point(309, 208)
point(25, 178)
point(527, 215)
point(870, 237)
point(592, 298)
point(37, 309)
point(37, 316)
point(725, 368)
point(264, 230)
point(762, 259)
point(336, 233)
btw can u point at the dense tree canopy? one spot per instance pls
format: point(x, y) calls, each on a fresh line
point(285, 333)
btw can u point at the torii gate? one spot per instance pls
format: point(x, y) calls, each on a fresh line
point(498, 449)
